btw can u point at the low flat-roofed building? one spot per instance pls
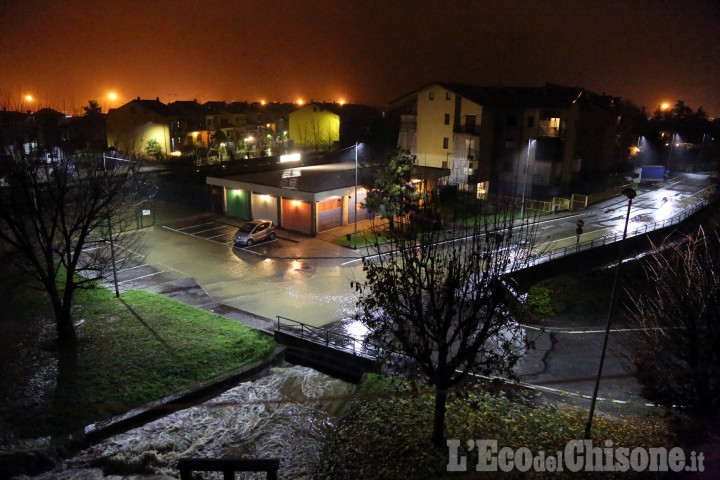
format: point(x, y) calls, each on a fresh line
point(303, 199)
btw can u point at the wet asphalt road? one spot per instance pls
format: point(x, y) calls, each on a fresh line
point(308, 280)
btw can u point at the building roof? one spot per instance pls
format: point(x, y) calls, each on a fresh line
point(187, 107)
point(155, 105)
point(313, 179)
point(319, 178)
point(548, 96)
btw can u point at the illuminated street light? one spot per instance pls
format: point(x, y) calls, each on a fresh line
point(300, 101)
point(527, 167)
point(28, 98)
point(630, 194)
point(355, 199)
point(665, 106)
point(112, 96)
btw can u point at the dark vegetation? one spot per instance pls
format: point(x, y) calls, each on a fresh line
point(130, 351)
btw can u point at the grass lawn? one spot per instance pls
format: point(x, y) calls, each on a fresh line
point(365, 238)
point(385, 432)
point(131, 350)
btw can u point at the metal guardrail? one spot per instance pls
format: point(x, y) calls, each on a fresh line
point(606, 239)
point(328, 338)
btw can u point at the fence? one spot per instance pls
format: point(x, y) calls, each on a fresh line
point(709, 192)
point(329, 338)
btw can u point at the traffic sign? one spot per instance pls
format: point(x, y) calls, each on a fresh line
point(579, 231)
point(580, 223)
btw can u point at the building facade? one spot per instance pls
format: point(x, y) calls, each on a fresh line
point(509, 140)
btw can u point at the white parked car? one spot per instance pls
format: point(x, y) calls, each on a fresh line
point(253, 232)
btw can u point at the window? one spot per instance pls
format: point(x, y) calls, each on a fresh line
point(447, 95)
point(445, 143)
point(512, 121)
point(431, 95)
point(555, 123)
point(447, 119)
point(531, 122)
point(510, 144)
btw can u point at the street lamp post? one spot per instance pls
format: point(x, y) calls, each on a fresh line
point(355, 198)
point(527, 167)
point(630, 194)
point(112, 243)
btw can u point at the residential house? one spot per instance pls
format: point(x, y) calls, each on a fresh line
point(86, 133)
point(322, 125)
point(131, 126)
point(314, 127)
point(509, 139)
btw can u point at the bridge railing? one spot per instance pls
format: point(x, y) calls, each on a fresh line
point(709, 194)
point(329, 338)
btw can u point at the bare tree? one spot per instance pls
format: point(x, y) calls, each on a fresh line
point(62, 221)
point(443, 299)
point(677, 355)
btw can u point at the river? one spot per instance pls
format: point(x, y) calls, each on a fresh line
point(287, 413)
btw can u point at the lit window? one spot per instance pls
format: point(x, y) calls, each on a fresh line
point(555, 123)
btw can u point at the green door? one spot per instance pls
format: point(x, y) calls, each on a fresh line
point(238, 203)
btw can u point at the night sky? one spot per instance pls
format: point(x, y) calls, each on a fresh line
point(65, 52)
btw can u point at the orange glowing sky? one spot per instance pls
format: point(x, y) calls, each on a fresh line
point(365, 51)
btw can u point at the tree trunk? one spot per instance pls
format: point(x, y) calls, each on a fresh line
point(63, 417)
point(438, 435)
point(65, 327)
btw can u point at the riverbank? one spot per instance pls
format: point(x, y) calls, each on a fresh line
point(132, 350)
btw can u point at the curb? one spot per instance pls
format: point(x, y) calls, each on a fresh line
point(173, 403)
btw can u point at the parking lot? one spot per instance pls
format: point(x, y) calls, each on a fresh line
point(212, 231)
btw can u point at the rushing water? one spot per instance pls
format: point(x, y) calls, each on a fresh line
point(284, 414)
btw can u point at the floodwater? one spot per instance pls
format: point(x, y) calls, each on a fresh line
point(285, 414)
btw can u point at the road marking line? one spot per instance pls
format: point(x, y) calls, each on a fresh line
point(138, 278)
point(616, 330)
point(221, 235)
point(209, 230)
point(130, 268)
point(188, 234)
point(191, 226)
